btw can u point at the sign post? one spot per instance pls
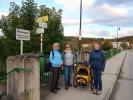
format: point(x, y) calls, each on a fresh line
point(22, 35)
point(21, 47)
point(41, 44)
point(40, 30)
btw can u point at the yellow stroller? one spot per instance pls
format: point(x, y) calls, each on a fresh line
point(82, 75)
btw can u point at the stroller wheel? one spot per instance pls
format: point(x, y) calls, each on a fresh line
point(74, 68)
point(75, 84)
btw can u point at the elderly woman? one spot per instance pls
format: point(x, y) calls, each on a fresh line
point(56, 61)
point(97, 62)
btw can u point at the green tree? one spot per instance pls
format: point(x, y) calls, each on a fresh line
point(9, 25)
point(24, 17)
point(28, 13)
point(124, 45)
point(54, 32)
point(107, 45)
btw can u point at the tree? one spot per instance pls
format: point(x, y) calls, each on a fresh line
point(54, 32)
point(124, 45)
point(28, 13)
point(24, 17)
point(9, 24)
point(107, 45)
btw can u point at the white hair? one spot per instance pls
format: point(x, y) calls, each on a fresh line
point(55, 44)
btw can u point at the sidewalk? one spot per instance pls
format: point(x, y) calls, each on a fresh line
point(109, 77)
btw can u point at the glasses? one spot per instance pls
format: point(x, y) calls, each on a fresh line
point(68, 47)
point(56, 46)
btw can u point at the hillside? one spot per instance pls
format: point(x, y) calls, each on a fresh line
point(91, 40)
point(127, 39)
point(84, 40)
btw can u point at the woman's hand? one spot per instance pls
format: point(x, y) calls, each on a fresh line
point(62, 67)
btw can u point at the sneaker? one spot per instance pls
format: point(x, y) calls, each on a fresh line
point(70, 85)
point(66, 87)
point(57, 88)
point(99, 92)
point(54, 91)
point(94, 91)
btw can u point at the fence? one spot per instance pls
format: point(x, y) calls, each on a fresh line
point(45, 73)
point(112, 52)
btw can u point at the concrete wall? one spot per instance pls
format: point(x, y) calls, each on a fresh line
point(24, 85)
point(2, 89)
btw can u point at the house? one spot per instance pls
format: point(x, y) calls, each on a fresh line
point(119, 43)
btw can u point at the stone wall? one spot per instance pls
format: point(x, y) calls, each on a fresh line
point(24, 85)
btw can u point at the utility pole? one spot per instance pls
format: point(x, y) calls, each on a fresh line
point(80, 26)
point(117, 35)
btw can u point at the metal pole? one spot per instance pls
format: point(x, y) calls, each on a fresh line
point(21, 47)
point(117, 38)
point(80, 26)
point(117, 35)
point(41, 43)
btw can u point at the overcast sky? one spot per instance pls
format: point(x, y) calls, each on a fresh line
point(100, 17)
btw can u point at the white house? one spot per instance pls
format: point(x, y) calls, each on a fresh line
point(119, 43)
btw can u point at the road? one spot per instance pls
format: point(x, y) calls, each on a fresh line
point(124, 86)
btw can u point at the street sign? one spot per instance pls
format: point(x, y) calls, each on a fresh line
point(42, 19)
point(22, 34)
point(43, 24)
point(39, 19)
point(45, 18)
point(40, 30)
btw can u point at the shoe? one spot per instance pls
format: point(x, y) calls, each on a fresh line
point(66, 87)
point(57, 89)
point(99, 92)
point(94, 91)
point(70, 85)
point(54, 91)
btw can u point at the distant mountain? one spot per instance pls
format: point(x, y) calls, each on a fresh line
point(91, 40)
point(84, 40)
point(126, 39)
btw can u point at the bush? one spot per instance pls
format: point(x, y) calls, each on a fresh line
point(124, 45)
point(107, 45)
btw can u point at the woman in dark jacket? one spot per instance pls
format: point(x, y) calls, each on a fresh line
point(97, 62)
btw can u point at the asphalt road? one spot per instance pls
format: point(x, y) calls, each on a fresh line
point(124, 86)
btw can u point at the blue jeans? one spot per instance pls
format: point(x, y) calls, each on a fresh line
point(97, 78)
point(67, 74)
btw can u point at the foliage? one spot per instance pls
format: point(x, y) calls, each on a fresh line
point(124, 45)
point(24, 17)
point(54, 32)
point(107, 45)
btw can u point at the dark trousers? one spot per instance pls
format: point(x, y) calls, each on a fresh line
point(67, 74)
point(55, 77)
point(97, 78)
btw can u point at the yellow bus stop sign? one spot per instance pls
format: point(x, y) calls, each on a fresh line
point(42, 19)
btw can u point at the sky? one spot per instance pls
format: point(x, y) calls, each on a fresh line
point(100, 18)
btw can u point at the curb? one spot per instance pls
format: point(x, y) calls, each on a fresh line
point(109, 92)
